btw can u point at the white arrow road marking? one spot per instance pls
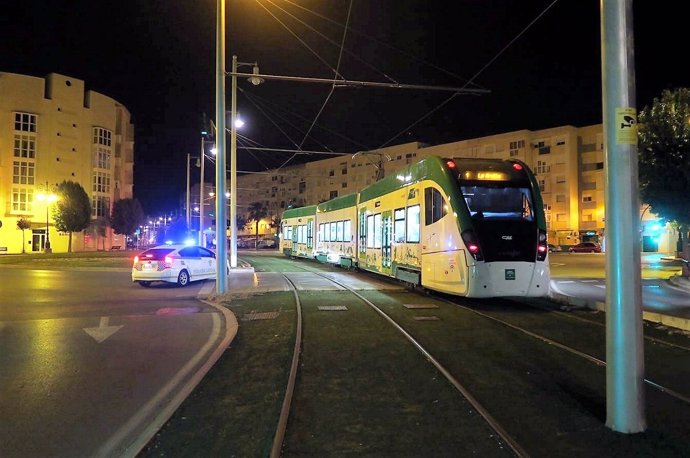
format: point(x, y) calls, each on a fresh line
point(103, 331)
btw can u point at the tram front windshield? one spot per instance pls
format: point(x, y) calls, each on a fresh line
point(504, 221)
point(499, 203)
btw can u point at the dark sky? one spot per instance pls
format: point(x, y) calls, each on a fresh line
point(157, 57)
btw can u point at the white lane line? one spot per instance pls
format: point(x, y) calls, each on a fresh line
point(601, 286)
point(563, 282)
point(116, 446)
point(589, 281)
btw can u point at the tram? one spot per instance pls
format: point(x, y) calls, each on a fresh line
point(463, 226)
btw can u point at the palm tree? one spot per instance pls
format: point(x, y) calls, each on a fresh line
point(23, 224)
point(257, 211)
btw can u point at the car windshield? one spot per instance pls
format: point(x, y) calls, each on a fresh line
point(155, 254)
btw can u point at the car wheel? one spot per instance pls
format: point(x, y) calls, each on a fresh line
point(183, 278)
point(145, 284)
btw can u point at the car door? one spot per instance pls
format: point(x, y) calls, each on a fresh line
point(192, 261)
point(207, 260)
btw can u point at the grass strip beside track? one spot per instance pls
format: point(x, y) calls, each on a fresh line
point(234, 410)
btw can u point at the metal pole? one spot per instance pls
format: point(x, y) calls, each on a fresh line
point(233, 168)
point(188, 213)
point(201, 196)
point(624, 336)
point(221, 210)
point(47, 248)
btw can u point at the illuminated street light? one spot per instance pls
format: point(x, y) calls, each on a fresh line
point(48, 198)
point(255, 79)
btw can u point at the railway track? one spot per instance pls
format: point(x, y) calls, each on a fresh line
point(527, 322)
point(386, 371)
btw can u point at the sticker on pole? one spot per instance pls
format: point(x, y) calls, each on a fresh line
point(626, 126)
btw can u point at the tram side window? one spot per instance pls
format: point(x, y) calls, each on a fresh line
point(377, 230)
point(347, 230)
point(321, 233)
point(339, 231)
point(302, 234)
point(370, 231)
point(434, 206)
point(287, 233)
point(413, 222)
point(399, 225)
point(310, 234)
point(333, 237)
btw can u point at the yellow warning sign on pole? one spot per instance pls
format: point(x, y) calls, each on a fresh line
point(626, 126)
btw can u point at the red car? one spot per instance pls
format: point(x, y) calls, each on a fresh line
point(585, 247)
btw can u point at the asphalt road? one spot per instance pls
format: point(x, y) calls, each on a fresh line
point(90, 359)
point(583, 276)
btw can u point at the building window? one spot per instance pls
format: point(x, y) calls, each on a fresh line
point(101, 159)
point(333, 195)
point(543, 167)
point(23, 172)
point(560, 198)
point(101, 182)
point(25, 122)
point(343, 168)
point(331, 173)
point(22, 199)
point(560, 179)
point(302, 187)
point(515, 146)
point(542, 185)
point(561, 217)
point(100, 206)
point(25, 146)
point(102, 136)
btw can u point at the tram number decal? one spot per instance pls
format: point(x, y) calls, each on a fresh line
point(510, 274)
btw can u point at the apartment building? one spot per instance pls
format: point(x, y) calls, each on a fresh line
point(52, 130)
point(568, 162)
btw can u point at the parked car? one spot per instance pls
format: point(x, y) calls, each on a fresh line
point(266, 243)
point(179, 264)
point(553, 248)
point(585, 247)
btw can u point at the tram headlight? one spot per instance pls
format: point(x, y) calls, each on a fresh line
point(472, 244)
point(542, 246)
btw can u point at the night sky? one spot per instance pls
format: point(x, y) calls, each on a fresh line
point(157, 57)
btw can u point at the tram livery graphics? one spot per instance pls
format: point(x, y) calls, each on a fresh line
point(469, 227)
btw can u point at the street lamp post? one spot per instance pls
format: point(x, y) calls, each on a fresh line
point(48, 198)
point(255, 80)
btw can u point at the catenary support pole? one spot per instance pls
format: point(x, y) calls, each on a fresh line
point(624, 338)
point(221, 208)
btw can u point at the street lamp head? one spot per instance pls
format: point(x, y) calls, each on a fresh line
point(255, 79)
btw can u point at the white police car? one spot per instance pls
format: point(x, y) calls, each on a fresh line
point(179, 264)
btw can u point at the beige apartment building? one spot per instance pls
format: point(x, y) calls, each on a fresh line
point(53, 130)
point(568, 162)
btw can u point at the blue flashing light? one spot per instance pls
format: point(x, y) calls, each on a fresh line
point(168, 242)
point(190, 242)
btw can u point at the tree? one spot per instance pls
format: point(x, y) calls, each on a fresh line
point(23, 224)
point(127, 216)
point(257, 211)
point(73, 209)
point(664, 152)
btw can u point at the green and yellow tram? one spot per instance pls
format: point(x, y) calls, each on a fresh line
point(470, 227)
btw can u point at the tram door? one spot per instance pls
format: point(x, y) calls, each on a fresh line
point(387, 235)
point(295, 234)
